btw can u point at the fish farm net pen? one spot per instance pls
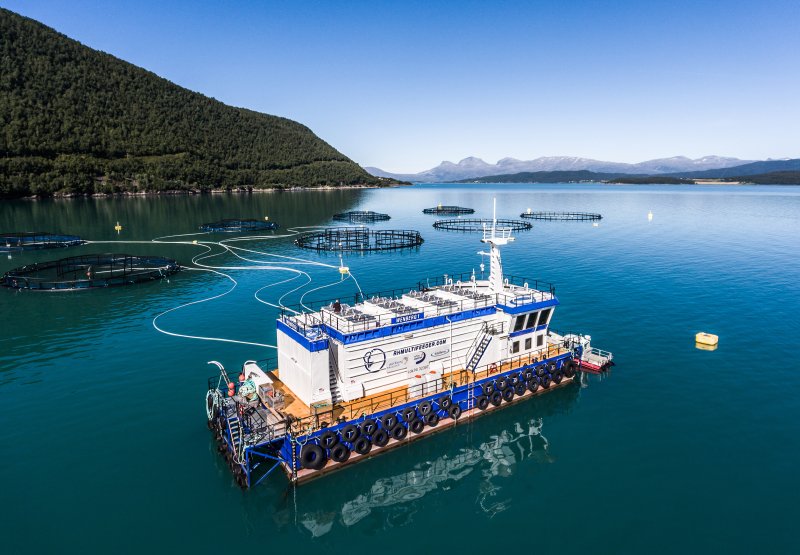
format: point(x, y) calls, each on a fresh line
point(89, 271)
point(22, 241)
point(238, 226)
point(361, 216)
point(564, 216)
point(359, 239)
point(470, 225)
point(449, 210)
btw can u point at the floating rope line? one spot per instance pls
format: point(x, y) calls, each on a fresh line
point(30, 240)
point(448, 210)
point(470, 225)
point(361, 216)
point(564, 216)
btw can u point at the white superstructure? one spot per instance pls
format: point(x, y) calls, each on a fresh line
point(343, 352)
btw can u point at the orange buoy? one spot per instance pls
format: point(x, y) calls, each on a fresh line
point(241, 377)
point(231, 393)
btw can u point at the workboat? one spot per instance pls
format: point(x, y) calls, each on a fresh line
point(358, 378)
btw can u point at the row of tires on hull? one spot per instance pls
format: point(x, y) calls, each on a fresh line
point(376, 432)
point(529, 378)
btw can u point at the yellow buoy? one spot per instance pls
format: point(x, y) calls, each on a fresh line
point(118, 228)
point(704, 338)
point(194, 242)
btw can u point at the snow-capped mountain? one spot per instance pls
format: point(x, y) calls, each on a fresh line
point(475, 167)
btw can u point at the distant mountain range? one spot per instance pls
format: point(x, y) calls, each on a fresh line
point(475, 167)
point(774, 172)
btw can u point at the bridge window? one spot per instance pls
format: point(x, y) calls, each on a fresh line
point(545, 316)
point(528, 342)
point(519, 323)
point(532, 319)
point(540, 340)
point(515, 347)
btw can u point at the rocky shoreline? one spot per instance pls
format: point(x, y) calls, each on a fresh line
point(233, 190)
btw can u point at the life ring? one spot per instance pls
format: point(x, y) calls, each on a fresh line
point(492, 368)
point(350, 433)
point(362, 446)
point(445, 402)
point(454, 412)
point(508, 394)
point(380, 437)
point(425, 408)
point(482, 402)
point(416, 425)
point(388, 421)
point(496, 398)
point(532, 384)
point(432, 420)
point(329, 439)
point(399, 432)
point(340, 453)
point(368, 427)
point(312, 456)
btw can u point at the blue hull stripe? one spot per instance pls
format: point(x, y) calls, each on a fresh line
point(528, 307)
point(309, 344)
point(527, 331)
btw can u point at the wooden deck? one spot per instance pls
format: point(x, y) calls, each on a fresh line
point(310, 419)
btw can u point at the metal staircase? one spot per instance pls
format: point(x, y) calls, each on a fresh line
point(333, 378)
point(237, 433)
point(483, 339)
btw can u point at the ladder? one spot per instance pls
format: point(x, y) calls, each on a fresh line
point(483, 342)
point(235, 427)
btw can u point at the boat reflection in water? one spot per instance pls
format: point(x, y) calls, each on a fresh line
point(478, 449)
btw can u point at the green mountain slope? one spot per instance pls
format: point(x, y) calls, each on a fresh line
point(76, 120)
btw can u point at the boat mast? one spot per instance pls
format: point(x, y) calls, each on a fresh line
point(495, 237)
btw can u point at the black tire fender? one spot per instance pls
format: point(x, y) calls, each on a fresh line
point(380, 438)
point(328, 439)
point(425, 408)
point(388, 421)
point(340, 453)
point(482, 402)
point(409, 414)
point(362, 445)
point(350, 433)
point(532, 385)
point(432, 420)
point(312, 456)
point(454, 412)
point(416, 425)
point(399, 432)
point(496, 398)
point(368, 427)
point(508, 394)
point(445, 402)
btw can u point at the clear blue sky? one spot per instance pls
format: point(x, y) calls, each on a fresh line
point(404, 85)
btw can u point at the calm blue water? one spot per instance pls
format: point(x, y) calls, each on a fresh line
point(104, 445)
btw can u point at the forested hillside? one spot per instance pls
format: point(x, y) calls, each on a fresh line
point(75, 120)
